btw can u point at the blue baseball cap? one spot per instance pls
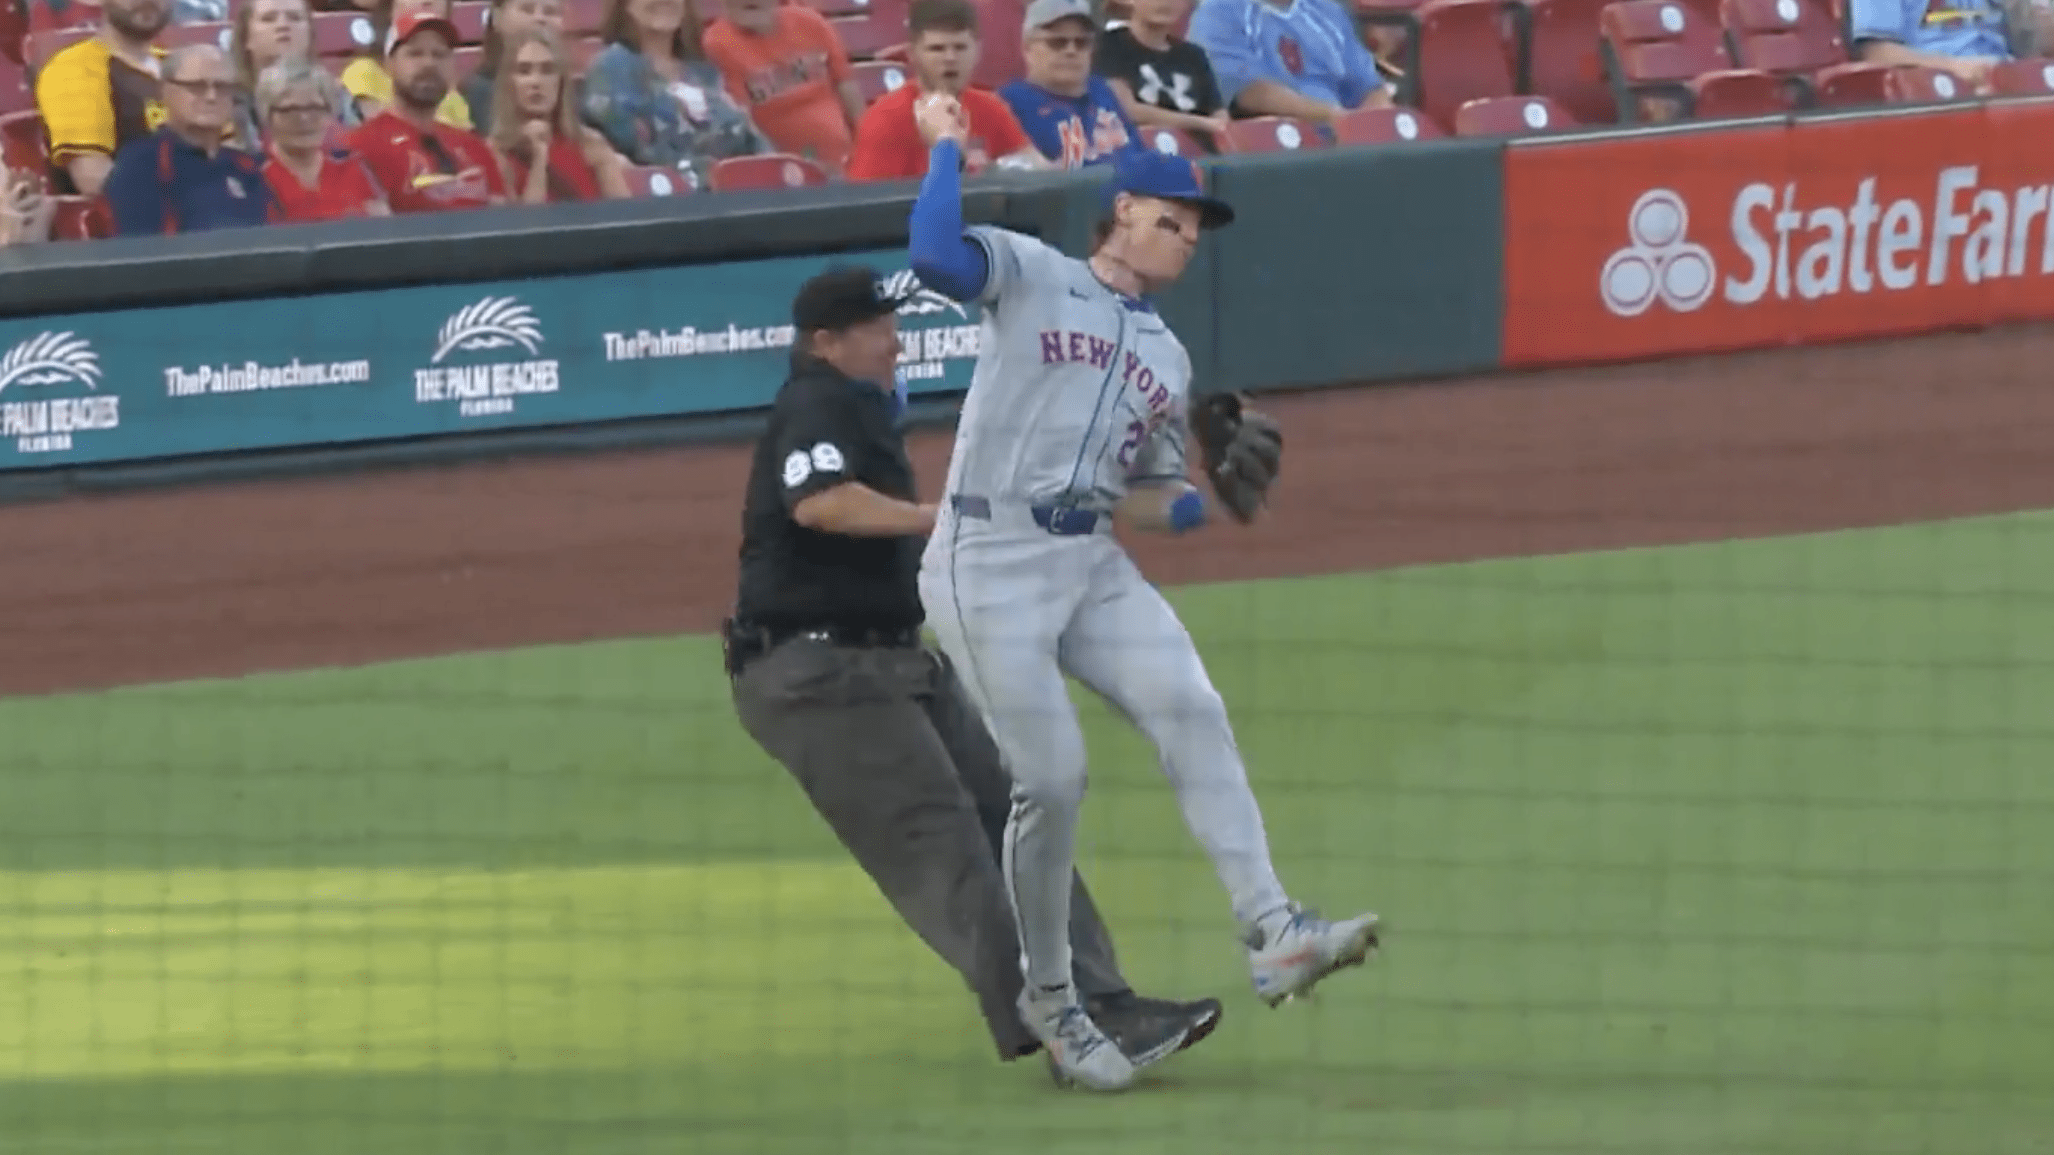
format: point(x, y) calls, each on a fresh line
point(1142, 171)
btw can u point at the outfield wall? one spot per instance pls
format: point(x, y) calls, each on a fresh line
point(154, 357)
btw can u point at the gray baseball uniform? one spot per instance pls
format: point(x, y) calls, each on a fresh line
point(1079, 392)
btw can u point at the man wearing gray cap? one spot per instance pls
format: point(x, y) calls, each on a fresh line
point(1074, 117)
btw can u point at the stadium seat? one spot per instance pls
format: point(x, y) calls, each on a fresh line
point(80, 219)
point(1911, 84)
point(648, 180)
point(15, 93)
point(1562, 60)
point(874, 78)
point(584, 17)
point(470, 17)
point(838, 7)
point(14, 28)
point(1511, 116)
point(1273, 134)
point(862, 36)
point(1173, 142)
point(24, 143)
point(1458, 53)
point(220, 34)
point(770, 170)
point(343, 34)
point(1799, 42)
point(41, 46)
point(582, 49)
point(45, 16)
point(1663, 49)
point(1385, 126)
point(466, 59)
point(2022, 78)
point(999, 58)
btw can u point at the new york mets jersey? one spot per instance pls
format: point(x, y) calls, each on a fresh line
point(1079, 390)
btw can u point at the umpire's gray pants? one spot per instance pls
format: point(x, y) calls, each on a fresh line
point(896, 759)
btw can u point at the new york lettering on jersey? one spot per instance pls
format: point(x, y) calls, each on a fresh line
point(1099, 379)
point(1072, 131)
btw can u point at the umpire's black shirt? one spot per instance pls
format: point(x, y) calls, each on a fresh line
point(825, 429)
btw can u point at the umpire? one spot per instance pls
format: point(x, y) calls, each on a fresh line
point(831, 678)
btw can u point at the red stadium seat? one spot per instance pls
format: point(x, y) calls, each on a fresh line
point(1459, 54)
point(1273, 134)
point(1511, 116)
point(1563, 63)
point(80, 219)
point(45, 16)
point(770, 170)
point(41, 46)
point(1799, 41)
point(584, 17)
point(1173, 142)
point(1664, 49)
point(645, 180)
point(466, 59)
point(24, 143)
point(1910, 84)
point(874, 78)
point(219, 34)
point(2022, 78)
point(999, 58)
point(837, 7)
point(15, 93)
point(345, 34)
point(470, 17)
point(582, 49)
point(1384, 126)
point(863, 36)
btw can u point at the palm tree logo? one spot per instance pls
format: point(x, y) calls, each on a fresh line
point(493, 323)
point(51, 359)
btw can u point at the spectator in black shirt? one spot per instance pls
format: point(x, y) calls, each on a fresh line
point(1163, 81)
point(830, 675)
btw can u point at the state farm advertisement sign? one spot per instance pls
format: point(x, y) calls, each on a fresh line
point(1809, 231)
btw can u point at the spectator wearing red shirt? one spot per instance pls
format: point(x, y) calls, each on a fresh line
point(944, 54)
point(532, 117)
point(297, 107)
point(422, 164)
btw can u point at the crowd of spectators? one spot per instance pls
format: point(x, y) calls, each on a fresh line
point(262, 129)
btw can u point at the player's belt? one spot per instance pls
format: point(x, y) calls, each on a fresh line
point(1061, 520)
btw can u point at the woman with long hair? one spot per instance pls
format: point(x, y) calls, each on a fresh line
point(269, 32)
point(656, 96)
point(548, 155)
point(509, 20)
point(371, 85)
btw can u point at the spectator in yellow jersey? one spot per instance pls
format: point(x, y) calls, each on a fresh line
point(370, 83)
point(103, 92)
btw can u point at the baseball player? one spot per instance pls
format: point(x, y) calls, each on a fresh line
point(1076, 419)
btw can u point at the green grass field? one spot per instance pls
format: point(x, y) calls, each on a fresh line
point(1733, 849)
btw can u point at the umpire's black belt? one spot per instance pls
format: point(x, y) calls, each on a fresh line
point(1060, 520)
point(744, 642)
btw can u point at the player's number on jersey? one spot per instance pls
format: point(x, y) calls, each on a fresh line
point(1137, 432)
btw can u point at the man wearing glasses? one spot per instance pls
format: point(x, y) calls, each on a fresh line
point(181, 178)
point(1073, 117)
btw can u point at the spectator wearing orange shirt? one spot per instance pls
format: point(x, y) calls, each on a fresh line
point(313, 181)
point(785, 65)
point(422, 164)
point(944, 54)
point(532, 117)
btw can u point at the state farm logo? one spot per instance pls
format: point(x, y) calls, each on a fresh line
point(1658, 263)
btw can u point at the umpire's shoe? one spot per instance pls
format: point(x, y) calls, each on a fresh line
point(1141, 1025)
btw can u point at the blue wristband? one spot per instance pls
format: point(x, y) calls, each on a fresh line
point(1187, 512)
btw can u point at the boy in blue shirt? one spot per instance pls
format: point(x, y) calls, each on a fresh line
point(1073, 117)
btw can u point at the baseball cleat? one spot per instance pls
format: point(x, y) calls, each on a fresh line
point(1079, 1053)
point(1290, 962)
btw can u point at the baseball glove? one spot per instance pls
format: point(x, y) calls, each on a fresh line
point(1241, 448)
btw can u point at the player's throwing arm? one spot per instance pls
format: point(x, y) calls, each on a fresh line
point(1078, 415)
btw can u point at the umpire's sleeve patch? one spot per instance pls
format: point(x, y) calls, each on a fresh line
point(801, 464)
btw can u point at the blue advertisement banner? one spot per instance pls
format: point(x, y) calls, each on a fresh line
point(398, 363)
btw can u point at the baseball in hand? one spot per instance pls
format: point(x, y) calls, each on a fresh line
point(941, 117)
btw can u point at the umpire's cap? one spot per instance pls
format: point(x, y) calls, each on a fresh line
point(842, 296)
point(1142, 171)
